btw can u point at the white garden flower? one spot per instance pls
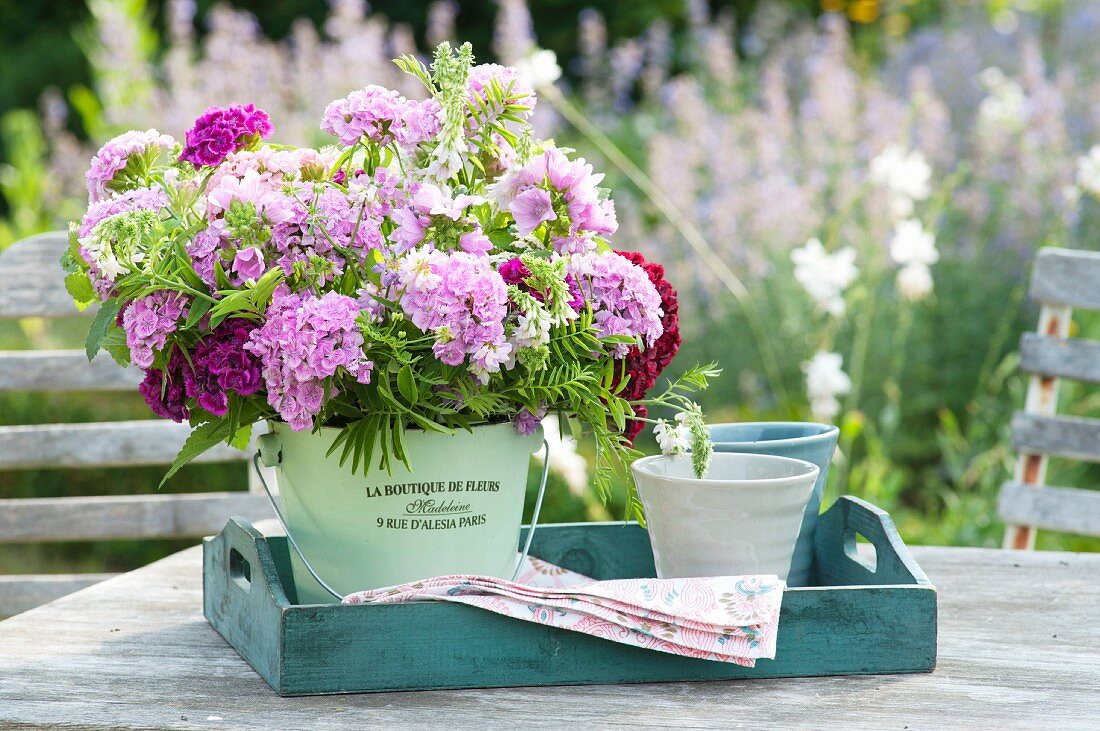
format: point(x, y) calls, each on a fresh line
point(825, 276)
point(906, 175)
point(1088, 171)
point(672, 439)
point(564, 458)
point(533, 328)
point(416, 267)
point(825, 380)
point(914, 282)
point(1005, 108)
point(540, 69)
point(911, 244)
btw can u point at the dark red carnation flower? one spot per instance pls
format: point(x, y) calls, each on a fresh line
point(644, 366)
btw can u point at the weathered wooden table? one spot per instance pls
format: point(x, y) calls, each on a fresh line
point(1019, 647)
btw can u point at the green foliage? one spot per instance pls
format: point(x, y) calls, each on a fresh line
point(22, 177)
point(103, 323)
point(234, 429)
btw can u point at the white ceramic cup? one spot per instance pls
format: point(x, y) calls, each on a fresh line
point(742, 518)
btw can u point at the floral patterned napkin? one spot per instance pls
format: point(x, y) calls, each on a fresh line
point(731, 619)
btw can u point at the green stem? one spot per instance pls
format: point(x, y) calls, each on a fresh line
point(687, 230)
point(169, 284)
point(860, 346)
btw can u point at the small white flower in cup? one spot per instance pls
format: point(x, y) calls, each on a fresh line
point(672, 439)
point(688, 436)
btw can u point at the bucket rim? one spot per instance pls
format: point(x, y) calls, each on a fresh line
point(283, 426)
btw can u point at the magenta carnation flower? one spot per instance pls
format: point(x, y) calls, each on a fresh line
point(221, 131)
point(514, 271)
point(221, 364)
point(167, 400)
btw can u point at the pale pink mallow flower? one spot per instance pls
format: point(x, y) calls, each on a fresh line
point(475, 242)
point(436, 201)
point(249, 263)
point(530, 208)
point(252, 188)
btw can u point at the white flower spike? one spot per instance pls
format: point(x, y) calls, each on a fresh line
point(825, 276)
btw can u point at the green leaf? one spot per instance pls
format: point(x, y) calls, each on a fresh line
point(202, 438)
point(428, 424)
point(80, 288)
point(220, 277)
point(198, 308)
point(406, 384)
point(103, 322)
point(115, 344)
point(241, 439)
point(501, 239)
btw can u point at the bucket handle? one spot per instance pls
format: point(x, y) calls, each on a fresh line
point(272, 460)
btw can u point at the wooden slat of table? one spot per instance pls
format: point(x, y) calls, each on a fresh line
point(1019, 648)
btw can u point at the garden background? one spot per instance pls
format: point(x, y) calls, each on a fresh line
point(930, 148)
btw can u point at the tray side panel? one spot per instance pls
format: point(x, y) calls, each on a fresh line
point(339, 649)
point(242, 596)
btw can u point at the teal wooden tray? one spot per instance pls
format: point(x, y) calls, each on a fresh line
point(858, 619)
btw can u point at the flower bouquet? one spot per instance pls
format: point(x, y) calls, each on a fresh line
point(438, 270)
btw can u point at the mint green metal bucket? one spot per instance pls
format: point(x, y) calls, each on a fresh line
point(458, 511)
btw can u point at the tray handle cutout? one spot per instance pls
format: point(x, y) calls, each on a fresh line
point(839, 558)
point(244, 562)
point(860, 549)
point(240, 570)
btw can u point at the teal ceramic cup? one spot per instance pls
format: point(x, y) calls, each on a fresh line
point(801, 440)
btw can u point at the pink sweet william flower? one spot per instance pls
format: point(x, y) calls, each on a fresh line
point(462, 300)
point(621, 296)
point(530, 208)
point(305, 340)
point(116, 154)
point(148, 322)
point(221, 131)
point(383, 116)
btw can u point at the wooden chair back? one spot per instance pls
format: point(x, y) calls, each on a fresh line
point(32, 285)
point(1062, 280)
